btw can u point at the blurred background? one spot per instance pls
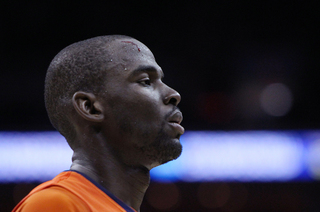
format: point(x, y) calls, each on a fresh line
point(240, 66)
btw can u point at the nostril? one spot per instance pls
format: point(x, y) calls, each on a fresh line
point(173, 101)
point(172, 97)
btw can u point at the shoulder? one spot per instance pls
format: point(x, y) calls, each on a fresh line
point(54, 198)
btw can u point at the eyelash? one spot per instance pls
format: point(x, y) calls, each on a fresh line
point(145, 82)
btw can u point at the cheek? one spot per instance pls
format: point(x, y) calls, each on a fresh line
point(146, 115)
point(139, 110)
point(135, 107)
point(144, 102)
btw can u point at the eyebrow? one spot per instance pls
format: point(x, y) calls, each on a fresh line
point(147, 69)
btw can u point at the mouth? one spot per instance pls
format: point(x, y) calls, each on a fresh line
point(175, 120)
point(177, 127)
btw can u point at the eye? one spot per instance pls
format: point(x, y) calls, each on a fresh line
point(145, 82)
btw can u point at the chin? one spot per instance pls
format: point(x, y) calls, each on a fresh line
point(163, 149)
point(172, 153)
point(165, 152)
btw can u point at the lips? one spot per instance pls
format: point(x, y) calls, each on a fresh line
point(174, 121)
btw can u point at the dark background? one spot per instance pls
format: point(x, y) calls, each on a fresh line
point(209, 51)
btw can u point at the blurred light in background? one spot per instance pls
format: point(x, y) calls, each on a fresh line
point(236, 156)
point(226, 196)
point(215, 107)
point(164, 196)
point(207, 156)
point(276, 99)
point(32, 156)
point(259, 100)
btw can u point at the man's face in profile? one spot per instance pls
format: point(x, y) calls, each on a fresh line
point(140, 110)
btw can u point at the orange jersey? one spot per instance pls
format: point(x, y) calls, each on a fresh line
point(71, 191)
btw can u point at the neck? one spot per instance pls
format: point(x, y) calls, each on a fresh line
point(128, 183)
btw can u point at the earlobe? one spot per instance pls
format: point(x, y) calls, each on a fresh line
point(87, 106)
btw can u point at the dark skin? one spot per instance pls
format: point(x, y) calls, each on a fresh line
point(130, 127)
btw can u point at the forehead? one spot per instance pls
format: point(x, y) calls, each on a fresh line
point(128, 54)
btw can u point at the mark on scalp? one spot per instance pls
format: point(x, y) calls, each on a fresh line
point(132, 44)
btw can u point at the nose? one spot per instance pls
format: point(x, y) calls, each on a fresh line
point(172, 97)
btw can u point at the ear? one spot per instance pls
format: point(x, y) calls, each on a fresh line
point(87, 106)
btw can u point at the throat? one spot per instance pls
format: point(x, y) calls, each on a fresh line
point(127, 183)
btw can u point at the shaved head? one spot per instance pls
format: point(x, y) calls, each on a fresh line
point(78, 67)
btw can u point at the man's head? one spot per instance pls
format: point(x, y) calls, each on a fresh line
point(113, 86)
